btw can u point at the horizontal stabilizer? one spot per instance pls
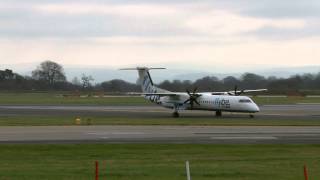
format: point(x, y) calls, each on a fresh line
point(140, 68)
point(157, 94)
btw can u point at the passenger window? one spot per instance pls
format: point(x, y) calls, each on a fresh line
point(244, 101)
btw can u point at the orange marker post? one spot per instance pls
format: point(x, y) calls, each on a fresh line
point(97, 170)
point(305, 172)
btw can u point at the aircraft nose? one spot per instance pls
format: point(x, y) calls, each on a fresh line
point(256, 108)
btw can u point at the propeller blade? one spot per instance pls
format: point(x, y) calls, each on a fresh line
point(191, 103)
point(195, 90)
point(192, 97)
point(188, 92)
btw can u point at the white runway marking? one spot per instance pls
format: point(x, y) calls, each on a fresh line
point(128, 133)
point(243, 137)
point(104, 137)
point(308, 103)
point(115, 133)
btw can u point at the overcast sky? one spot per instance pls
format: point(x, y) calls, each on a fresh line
point(202, 34)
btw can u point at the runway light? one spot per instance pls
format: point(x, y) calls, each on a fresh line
point(89, 121)
point(78, 121)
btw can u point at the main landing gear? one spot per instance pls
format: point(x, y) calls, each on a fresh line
point(251, 116)
point(218, 113)
point(175, 114)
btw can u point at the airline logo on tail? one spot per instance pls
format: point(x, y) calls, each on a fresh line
point(146, 82)
point(148, 87)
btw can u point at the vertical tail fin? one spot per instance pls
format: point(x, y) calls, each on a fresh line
point(146, 83)
point(145, 80)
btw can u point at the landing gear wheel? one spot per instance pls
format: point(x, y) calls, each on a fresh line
point(251, 116)
point(218, 113)
point(175, 114)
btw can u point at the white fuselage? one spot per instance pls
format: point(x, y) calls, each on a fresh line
point(209, 102)
point(213, 101)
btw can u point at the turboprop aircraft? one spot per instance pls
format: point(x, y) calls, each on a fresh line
point(230, 101)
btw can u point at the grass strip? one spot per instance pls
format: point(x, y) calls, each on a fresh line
point(158, 162)
point(59, 99)
point(187, 121)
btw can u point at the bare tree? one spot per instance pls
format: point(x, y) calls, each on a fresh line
point(50, 72)
point(76, 81)
point(6, 75)
point(86, 81)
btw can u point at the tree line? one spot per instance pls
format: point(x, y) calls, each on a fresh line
point(50, 76)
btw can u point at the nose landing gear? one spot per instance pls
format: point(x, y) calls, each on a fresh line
point(175, 114)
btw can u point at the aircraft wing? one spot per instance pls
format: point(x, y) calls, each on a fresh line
point(249, 90)
point(159, 94)
point(219, 93)
point(242, 91)
point(254, 90)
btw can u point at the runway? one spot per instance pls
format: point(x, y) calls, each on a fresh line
point(298, 111)
point(161, 134)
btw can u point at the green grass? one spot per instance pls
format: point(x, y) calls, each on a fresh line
point(285, 100)
point(158, 162)
point(187, 121)
point(58, 99)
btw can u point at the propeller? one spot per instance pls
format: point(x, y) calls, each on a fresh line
point(236, 92)
point(192, 97)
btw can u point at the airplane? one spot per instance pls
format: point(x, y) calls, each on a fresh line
point(230, 101)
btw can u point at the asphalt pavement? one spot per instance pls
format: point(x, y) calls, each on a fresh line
point(161, 134)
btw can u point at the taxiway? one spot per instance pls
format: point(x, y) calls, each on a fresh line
point(304, 111)
point(162, 134)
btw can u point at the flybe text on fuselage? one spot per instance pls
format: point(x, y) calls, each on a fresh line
point(221, 102)
point(216, 102)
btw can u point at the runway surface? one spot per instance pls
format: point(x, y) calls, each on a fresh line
point(161, 134)
point(300, 111)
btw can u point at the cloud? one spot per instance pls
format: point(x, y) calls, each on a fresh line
point(125, 32)
point(227, 23)
point(84, 19)
point(111, 52)
point(88, 20)
point(131, 10)
point(282, 9)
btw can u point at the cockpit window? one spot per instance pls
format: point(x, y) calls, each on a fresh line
point(244, 101)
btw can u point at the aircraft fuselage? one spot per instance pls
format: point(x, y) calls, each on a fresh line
point(211, 103)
